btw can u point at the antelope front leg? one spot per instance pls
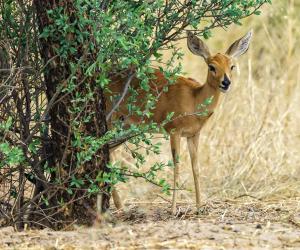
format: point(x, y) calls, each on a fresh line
point(175, 147)
point(193, 150)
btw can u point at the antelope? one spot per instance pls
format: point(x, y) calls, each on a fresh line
point(183, 97)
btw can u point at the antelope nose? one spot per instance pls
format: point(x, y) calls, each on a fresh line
point(226, 82)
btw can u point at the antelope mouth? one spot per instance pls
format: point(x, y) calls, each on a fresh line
point(223, 88)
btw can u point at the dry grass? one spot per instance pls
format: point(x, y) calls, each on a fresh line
point(251, 145)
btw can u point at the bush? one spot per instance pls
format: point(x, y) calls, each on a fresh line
point(58, 60)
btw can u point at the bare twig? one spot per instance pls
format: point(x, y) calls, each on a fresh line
point(125, 90)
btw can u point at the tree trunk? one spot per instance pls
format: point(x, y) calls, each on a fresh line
point(78, 206)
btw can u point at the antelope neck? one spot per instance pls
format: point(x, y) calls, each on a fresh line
point(208, 91)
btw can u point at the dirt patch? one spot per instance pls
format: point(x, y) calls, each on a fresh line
point(221, 225)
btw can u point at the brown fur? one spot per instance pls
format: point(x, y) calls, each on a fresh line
point(182, 98)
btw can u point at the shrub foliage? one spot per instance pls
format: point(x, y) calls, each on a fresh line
point(58, 59)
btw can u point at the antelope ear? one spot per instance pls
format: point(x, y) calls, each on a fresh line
point(240, 46)
point(197, 46)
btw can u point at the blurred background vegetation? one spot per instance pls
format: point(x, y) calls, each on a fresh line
point(250, 148)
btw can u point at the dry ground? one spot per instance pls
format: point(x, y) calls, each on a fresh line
point(222, 225)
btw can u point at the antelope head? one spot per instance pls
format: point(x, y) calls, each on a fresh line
point(220, 66)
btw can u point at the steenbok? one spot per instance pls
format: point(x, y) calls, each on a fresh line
point(183, 98)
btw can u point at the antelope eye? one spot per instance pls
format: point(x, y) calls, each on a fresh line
point(212, 68)
point(232, 67)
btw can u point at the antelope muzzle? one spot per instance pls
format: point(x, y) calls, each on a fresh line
point(225, 84)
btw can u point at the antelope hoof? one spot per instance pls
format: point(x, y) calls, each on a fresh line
point(203, 210)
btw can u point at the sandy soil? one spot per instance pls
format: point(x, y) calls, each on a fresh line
point(221, 225)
